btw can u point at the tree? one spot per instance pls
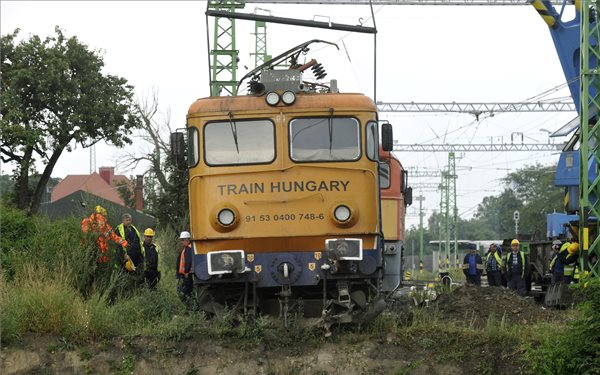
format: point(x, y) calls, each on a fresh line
point(496, 213)
point(165, 186)
point(55, 96)
point(533, 185)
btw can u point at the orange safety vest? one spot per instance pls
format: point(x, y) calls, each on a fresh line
point(182, 263)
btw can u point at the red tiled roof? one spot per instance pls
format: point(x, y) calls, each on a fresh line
point(93, 184)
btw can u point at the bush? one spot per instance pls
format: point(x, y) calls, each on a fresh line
point(573, 350)
point(37, 240)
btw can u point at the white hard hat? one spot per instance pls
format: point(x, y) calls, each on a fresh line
point(185, 234)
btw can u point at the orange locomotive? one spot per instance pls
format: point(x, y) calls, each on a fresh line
point(395, 196)
point(285, 212)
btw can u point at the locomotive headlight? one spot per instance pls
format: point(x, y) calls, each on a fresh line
point(342, 213)
point(288, 97)
point(272, 98)
point(226, 217)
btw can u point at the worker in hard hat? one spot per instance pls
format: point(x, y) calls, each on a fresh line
point(557, 261)
point(570, 261)
point(473, 266)
point(97, 224)
point(185, 285)
point(152, 269)
point(493, 266)
point(130, 258)
point(516, 268)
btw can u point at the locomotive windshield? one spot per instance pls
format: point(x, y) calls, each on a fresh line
point(325, 139)
point(384, 175)
point(239, 142)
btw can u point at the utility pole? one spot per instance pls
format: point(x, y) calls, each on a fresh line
point(92, 158)
point(420, 198)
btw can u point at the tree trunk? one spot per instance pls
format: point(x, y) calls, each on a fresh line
point(162, 179)
point(41, 186)
point(22, 185)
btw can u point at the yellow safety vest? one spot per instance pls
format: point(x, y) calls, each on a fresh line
point(498, 260)
point(121, 229)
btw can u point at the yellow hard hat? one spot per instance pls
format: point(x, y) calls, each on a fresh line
point(149, 232)
point(573, 248)
point(100, 210)
point(514, 242)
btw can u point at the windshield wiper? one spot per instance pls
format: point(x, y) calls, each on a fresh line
point(233, 126)
point(330, 123)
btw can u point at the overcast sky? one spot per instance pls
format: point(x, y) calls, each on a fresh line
point(425, 54)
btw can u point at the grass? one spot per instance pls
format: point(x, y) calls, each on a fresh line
point(51, 285)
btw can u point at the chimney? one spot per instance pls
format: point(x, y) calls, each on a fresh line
point(139, 192)
point(107, 174)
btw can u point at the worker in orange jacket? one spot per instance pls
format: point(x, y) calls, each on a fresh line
point(185, 285)
point(96, 224)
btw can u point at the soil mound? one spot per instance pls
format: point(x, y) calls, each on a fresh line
point(476, 304)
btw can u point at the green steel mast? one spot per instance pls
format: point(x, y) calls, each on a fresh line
point(224, 55)
point(260, 48)
point(444, 230)
point(421, 198)
point(452, 203)
point(590, 134)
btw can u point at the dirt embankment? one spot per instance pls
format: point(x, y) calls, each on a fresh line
point(402, 350)
point(479, 304)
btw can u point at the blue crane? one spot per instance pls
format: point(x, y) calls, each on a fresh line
point(576, 43)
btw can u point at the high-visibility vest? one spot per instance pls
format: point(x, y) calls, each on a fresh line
point(569, 269)
point(182, 263)
point(554, 257)
point(121, 229)
point(155, 246)
point(498, 260)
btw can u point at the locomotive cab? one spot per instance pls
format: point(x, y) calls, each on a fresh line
point(284, 198)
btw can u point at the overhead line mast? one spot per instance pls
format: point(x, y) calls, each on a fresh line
point(590, 133)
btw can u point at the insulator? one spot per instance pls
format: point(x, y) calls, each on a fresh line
point(255, 88)
point(318, 71)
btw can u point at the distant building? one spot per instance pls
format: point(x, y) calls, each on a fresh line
point(77, 195)
point(104, 184)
